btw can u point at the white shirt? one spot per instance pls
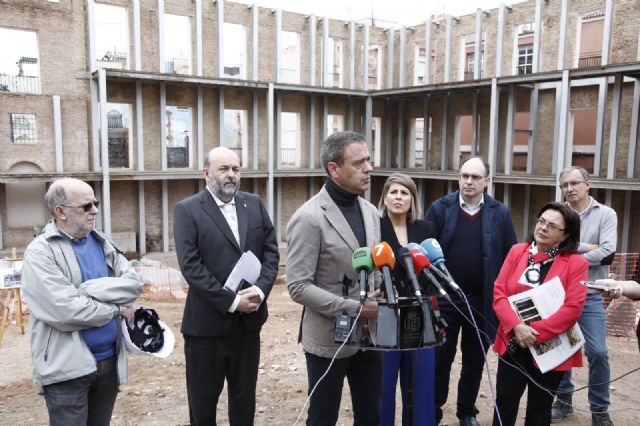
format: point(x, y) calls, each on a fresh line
point(228, 210)
point(471, 211)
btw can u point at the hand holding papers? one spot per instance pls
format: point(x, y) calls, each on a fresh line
point(247, 269)
point(540, 303)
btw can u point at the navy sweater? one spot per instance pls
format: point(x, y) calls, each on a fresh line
point(464, 256)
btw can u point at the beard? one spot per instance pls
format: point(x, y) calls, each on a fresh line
point(226, 190)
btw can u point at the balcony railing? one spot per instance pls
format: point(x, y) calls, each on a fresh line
point(115, 60)
point(590, 62)
point(519, 163)
point(118, 152)
point(289, 157)
point(177, 157)
point(288, 75)
point(19, 83)
point(178, 66)
point(584, 160)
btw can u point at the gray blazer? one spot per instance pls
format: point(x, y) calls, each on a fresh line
point(320, 247)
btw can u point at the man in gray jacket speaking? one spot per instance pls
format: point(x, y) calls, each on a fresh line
point(77, 283)
point(322, 236)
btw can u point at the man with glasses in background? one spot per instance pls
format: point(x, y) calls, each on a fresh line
point(598, 240)
point(77, 283)
point(475, 232)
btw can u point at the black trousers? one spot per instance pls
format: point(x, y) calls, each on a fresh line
point(510, 385)
point(472, 357)
point(211, 360)
point(364, 373)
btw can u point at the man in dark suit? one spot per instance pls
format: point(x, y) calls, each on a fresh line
point(475, 232)
point(221, 329)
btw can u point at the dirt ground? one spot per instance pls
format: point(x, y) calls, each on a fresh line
point(156, 393)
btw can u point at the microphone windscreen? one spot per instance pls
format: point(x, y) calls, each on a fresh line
point(361, 259)
point(433, 250)
point(413, 246)
point(420, 261)
point(383, 255)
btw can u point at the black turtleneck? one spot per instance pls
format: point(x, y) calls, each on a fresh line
point(350, 208)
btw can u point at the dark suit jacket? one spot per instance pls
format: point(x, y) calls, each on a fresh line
point(207, 252)
point(417, 232)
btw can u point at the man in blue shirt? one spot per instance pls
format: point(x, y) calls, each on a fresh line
point(77, 283)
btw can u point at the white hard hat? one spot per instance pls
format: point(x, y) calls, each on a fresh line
point(147, 334)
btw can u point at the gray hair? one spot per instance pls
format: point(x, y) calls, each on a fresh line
point(55, 196)
point(582, 170)
point(334, 146)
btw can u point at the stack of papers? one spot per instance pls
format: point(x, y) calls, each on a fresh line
point(540, 303)
point(247, 268)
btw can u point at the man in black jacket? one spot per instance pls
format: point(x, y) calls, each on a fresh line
point(221, 329)
point(476, 233)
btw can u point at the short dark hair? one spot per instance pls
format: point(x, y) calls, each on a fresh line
point(487, 167)
point(571, 226)
point(334, 146)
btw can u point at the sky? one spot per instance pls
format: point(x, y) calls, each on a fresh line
point(400, 12)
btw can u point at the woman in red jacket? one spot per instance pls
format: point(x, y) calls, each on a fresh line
point(550, 252)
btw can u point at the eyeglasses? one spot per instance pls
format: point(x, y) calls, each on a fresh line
point(465, 176)
point(573, 184)
point(542, 222)
point(85, 207)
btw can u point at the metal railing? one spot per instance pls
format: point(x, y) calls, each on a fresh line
point(583, 160)
point(19, 83)
point(519, 163)
point(118, 152)
point(288, 75)
point(289, 157)
point(115, 60)
point(177, 157)
point(590, 62)
point(178, 66)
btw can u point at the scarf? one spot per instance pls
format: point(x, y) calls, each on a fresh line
point(536, 258)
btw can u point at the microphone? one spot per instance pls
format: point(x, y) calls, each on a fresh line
point(362, 264)
point(422, 265)
point(407, 262)
point(436, 257)
point(385, 261)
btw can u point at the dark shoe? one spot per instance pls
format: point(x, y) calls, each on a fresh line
point(601, 419)
point(469, 421)
point(561, 407)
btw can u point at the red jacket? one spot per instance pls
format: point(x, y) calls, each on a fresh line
point(570, 268)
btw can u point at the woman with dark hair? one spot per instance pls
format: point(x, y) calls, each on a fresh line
point(399, 225)
point(550, 252)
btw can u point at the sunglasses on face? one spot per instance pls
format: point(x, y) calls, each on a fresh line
point(85, 207)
